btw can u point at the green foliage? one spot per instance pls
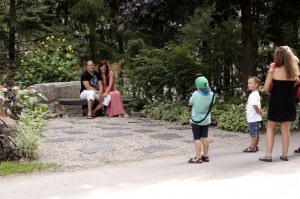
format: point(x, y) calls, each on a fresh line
point(51, 60)
point(7, 168)
point(15, 100)
point(107, 52)
point(178, 113)
point(218, 48)
point(29, 126)
point(134, 47)
point(163, 74)
point(229, 115)
point(136, 104)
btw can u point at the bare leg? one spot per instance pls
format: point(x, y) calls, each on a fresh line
point(198, 148)
point(254, 141)
point(90, 106)
point(257, 140)
point(285, 137)
point(98, 107)
point(270, 136)
point(205, 146)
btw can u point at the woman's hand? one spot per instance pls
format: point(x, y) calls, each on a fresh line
point(105, 94)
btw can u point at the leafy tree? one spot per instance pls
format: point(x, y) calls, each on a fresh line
point(88, 12)
point(217, 48)
point(21, 20)
point(283, 23)
point(52, 60)
point(166, 74)
point(158, 18)
point(242, 10)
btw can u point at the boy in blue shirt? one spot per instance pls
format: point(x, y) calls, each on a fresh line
point(201, 101)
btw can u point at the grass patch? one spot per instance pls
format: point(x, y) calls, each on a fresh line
point(7, 168)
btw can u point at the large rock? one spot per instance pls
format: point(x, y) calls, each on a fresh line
point(58, 90)
point(7, 125)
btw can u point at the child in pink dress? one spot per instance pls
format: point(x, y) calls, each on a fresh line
point(116, 107)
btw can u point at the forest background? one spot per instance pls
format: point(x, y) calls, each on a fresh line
point(163, 45)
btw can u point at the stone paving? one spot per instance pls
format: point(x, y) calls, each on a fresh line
point(76, 143)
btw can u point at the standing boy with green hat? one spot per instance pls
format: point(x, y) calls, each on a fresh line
point(201, 101)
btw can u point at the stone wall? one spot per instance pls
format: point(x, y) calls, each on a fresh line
point(58, 90)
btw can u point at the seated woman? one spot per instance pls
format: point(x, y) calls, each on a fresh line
point(116, 107)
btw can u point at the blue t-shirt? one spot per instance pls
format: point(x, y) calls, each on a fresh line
point(200, 103)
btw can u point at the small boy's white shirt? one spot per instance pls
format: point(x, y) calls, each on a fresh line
point(251, 114)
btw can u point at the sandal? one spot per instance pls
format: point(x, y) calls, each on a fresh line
point(250, 150)
point(284, 158)
point(205, 158)
point(257, 149)
point(297, 150)
point(195, 160)
point(90, 117)
point(266, 159)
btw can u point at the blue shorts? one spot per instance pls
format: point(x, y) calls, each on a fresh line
point(199, 131)
point(254, 128)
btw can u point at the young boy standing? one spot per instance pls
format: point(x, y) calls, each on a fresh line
point(201, 101)
point(253, 114)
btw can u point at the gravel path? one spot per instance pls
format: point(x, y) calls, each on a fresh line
point(78, 143)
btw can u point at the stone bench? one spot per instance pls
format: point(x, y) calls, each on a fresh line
point(78, 107)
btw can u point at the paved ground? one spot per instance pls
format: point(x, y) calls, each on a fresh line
point(230, 173)
point(77, 143)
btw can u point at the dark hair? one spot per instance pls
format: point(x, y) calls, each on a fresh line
point(101, 63)
point(88, 61)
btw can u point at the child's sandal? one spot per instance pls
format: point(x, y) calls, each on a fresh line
point(250, 150)
point(297, 150)
point(204, 158)
point(195, 160)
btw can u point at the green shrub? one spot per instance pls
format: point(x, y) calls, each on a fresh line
point(29, 126)
point(51, 60)
point(178, 113)
point(135, 104)
point(15, 100)
point(229, 115)
point(163, 74)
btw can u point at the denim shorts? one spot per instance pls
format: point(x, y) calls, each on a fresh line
point(199, 131)
point(254, 128)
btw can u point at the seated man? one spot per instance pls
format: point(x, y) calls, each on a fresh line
point(92, 88)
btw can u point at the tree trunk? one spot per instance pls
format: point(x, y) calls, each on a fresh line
point(247, 41)
point(92, 39)
point(12, 31)
point(158, 30)
point(120, 44)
